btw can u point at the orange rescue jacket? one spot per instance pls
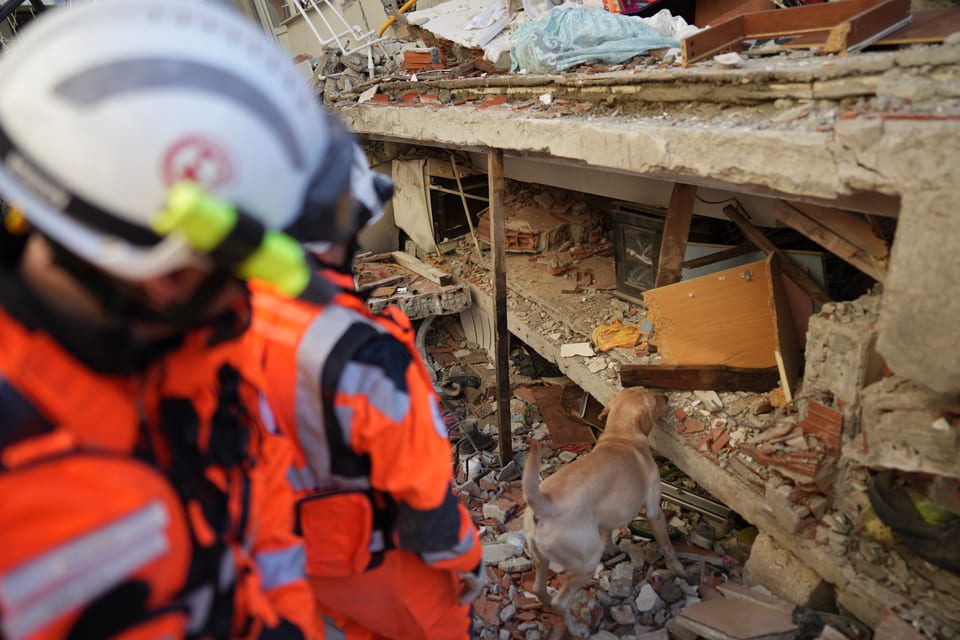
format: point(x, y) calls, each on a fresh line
point(142, 507)
point(374, 468)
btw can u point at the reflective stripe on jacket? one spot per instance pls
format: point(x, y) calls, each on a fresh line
point(188, 425)
point(350, 388)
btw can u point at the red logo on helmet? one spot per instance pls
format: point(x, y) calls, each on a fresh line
point(196, 159)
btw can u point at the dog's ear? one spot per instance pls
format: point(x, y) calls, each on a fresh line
point(646, 413)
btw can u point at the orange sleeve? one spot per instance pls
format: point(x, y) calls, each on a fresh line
point(391, 413)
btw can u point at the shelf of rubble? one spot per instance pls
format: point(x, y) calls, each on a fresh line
point(783, 471)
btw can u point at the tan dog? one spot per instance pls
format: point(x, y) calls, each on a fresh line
point(571, 516)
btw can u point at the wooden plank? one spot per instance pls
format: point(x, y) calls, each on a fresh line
point(717, 39)
point(925, 27)
point(675, 232)
point(791, 216)
point(789, 267)
point(700, 376)
point(787, 354)
point(849, 226)
point(729, 35)
point(811, 17)
point(724, 318)
point(867, 27)
point(500, 328)
point(929, 26)
point(429, 272)
point(562, 428)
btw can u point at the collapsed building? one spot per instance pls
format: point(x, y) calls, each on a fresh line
point(774, 229)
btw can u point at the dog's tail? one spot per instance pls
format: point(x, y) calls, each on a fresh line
point(536, 500)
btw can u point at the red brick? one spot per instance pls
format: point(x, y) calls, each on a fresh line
point(527, 616)
point(720, 442)
point(692, 425)
point(680, 413)
point(487, 611)
point(491, 101)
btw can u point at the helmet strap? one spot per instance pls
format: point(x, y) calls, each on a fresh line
point(120, 300)
point(106, 350)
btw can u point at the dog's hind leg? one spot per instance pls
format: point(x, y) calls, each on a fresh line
point(540, 581)
point(565, 598)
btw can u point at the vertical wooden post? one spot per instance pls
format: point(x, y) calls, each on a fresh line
point(675, 231)
point(501, 331)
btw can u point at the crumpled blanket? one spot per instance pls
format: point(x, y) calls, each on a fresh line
point(568, 36)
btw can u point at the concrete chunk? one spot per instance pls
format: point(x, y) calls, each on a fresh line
point(777, 569)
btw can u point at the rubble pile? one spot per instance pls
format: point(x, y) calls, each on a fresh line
point(632, 594)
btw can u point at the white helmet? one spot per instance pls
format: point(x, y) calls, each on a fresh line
point(370, 191)
point(104, 106)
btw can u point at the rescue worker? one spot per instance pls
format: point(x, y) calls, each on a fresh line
point(154, 150)
point(391, 553)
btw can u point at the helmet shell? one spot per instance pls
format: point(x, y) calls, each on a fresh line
point(103, 106)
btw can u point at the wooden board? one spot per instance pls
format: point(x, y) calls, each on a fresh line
point(817, 225)
point(563, 429)
point(698, 376)
point(429, 272)
point(851, 24)
point(675, 231)
point(925, 27)
point(727, 318)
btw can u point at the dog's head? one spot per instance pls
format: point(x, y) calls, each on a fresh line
point(638, 406)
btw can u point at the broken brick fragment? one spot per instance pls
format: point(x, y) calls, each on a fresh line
point(692, 425)
point(491, 101)
point(720, 442)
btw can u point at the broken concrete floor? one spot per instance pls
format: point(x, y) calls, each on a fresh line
point(632, 594)
point(782, 461)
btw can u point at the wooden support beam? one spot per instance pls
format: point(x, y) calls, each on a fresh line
point(696, 376)
point(853, 228)
point(926, 26)
point(789, 267)
point(795, 218)
point(675, 231)
point(500, 329)
point(867, 27)
point(420, 268)
point(847, 25)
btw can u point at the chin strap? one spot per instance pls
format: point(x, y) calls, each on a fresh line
point(110, 350)
point(114, 350)
point(122, 300)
